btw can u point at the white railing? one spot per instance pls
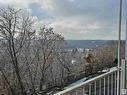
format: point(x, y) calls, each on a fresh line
point(105, 84)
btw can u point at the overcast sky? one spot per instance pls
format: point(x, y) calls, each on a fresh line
point(76, 19)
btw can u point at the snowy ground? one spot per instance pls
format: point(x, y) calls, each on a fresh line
point(75, 83)
point(86, 78)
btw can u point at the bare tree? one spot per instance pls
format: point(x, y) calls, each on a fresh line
point(12, 24)
point(27, 56)
point(50, 43)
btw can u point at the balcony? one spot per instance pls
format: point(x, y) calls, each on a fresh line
point(104, 84)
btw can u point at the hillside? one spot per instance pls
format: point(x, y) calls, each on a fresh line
point(86, 43)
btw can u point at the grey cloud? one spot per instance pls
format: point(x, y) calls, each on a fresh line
point(81, 12)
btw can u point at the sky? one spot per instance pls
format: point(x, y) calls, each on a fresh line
point(76, 19)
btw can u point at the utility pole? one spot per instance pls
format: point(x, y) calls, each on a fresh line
point(119, 48)
point(125, 85)
point(124, 69)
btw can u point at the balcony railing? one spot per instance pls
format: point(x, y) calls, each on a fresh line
point(105, 84)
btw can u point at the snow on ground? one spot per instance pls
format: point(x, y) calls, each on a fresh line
point(75, 83)
point(85, 78)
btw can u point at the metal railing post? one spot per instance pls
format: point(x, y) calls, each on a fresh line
point(115, 84)
point(108, 86)
point(104, 85)
point(83, 90)
point(100, 87)
point(119, 48)
point(90, 89)
point(95, 83)
point(112, 84)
